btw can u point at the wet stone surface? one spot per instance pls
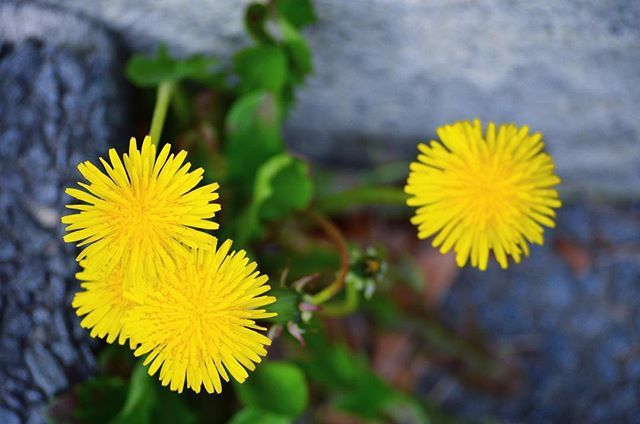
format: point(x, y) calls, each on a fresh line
point(61, 103)
point(575, 332)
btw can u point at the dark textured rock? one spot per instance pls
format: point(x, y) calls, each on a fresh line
point(585, 367)
point(8, 417)
point(45, 370)
point(63, 99)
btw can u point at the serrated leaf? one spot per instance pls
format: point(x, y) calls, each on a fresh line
point(170, 408)
point(255, 19)
point(145, 71)
point(261, 68)
point(297, 50)
point(253, 135)
point(282, 186)
point(354, 386)
point(141, 399)
point(298, 12)
point(148, 402)
point(276, 387)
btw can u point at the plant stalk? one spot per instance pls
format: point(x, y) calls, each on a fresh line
point(345, 307)
point(163, 99)
point(341, 244)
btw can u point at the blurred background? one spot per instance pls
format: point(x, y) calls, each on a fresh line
point(386, 74)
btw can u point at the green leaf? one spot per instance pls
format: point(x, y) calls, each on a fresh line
point(332, 366)
point(255, 19)
point(298, 12)
point(148, 402)
point(354, 386)
point(368, 397)
point(307, 259)
point(141, 399)
point(261, 68)
point(256, 416)
point(171, 408)
point(253, 135)
point(297, 50)
point(100, 399)
point(146, 71)
point(276, 387)
point(282, 186)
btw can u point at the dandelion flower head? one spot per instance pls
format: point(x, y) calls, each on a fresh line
point(198, 326)
point(143, 209)
point(483, 192)
point(102, 303)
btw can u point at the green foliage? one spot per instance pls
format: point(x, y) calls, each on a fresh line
point(148, 402)
point(355, 388)
point(249, 113)
point(261, 68)
point(276, 387)
point(99, 399)
point(140, 399)
point(253, 135)
point(151, 71)
point(297, 49)
point(298, 12)
point(255, 21)
point(282, 186)
point(257, 416)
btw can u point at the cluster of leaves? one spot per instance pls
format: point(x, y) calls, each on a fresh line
point(239, 133)
point(142, 399)
point(353, 386)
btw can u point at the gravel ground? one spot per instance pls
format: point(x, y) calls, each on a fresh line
point(580, 323)
point(59, 105)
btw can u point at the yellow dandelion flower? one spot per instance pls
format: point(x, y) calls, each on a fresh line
point(144, 210)
point(198, 324)
point(483, 192)
point(102, 302)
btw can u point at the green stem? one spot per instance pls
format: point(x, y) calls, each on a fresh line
point(341, 244)
point(344, 307)
point(360, 196)
point(160, 111)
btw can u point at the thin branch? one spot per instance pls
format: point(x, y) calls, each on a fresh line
point(341, 244)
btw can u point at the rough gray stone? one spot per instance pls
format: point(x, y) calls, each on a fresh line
point(388, 72)
point(582, 363)
point(8, 417)
point(54, 82)
point(45, 370)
